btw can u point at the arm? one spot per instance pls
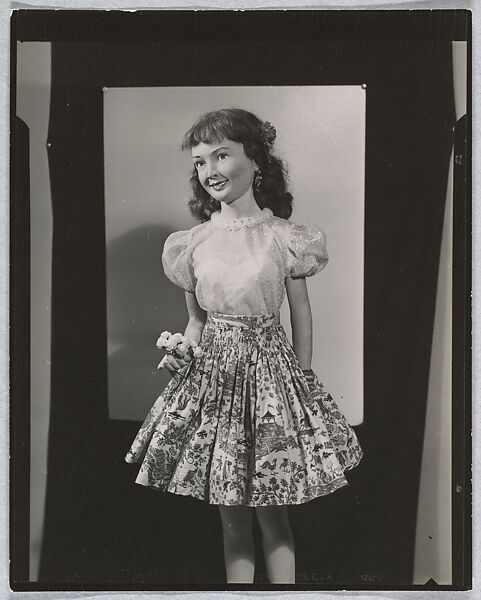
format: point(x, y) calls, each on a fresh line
point(195, 325)
point(301, 320)
point(197, 317)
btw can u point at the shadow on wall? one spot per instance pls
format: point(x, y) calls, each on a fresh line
point(141, 303)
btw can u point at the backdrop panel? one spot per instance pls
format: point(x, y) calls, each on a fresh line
point(321, 137)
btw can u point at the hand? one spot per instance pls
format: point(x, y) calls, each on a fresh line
point(172, 364)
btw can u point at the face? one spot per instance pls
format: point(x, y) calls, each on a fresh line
point(224, 170)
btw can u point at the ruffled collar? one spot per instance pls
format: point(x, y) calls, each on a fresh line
point(218, 220)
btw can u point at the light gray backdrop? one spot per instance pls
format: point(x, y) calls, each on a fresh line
point(321, 135)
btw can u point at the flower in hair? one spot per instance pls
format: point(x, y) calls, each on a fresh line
point(268, 133)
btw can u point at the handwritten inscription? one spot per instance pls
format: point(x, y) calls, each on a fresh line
point(371, 577)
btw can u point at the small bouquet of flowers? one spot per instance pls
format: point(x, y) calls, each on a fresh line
point(179, 346)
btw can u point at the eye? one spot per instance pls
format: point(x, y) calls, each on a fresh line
point(198, 164)
point(221, 155)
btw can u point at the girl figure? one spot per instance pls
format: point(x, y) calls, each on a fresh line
point(247, 426)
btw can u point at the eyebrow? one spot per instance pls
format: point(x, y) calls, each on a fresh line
point(216, 150)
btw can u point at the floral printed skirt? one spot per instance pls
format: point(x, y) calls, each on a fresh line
point(243, 424)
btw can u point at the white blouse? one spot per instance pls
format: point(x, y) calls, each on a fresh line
point(239, 266)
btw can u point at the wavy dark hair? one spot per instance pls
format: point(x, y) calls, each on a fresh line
point(243, 127)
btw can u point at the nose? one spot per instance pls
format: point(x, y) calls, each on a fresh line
point(211, 171)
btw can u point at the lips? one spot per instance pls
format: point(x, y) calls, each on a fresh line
point(218, 185)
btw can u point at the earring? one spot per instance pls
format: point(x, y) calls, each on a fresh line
point(257, 180)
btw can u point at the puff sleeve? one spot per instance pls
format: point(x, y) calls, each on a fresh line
point(177, 260)
point(306, 251)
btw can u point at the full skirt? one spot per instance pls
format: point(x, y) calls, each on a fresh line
point(243, 424)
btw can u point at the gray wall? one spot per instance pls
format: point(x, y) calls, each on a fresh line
point(433, 532)
point(434, 526)
point(321, 131)
point(33, 103)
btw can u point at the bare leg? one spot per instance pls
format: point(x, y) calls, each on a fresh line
point(238, 543)
point(278, 543)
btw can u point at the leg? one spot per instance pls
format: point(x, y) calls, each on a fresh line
point(278, 543)
point(238, 543)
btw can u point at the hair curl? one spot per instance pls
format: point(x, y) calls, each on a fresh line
point(243, 127)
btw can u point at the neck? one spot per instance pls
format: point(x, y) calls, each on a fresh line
point(244, 206)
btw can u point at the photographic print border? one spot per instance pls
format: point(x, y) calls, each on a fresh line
point(74, 26)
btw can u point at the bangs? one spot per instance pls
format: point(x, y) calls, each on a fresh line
point(213, 127)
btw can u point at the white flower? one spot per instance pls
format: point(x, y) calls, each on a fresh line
point(184, 340)
point(165, 334)
point(182, 349)
point(161, 342)
point(197, 352)
point(193, 344)
point(177, 337)
point(170, 344)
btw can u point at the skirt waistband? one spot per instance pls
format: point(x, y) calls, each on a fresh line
point(244, 321)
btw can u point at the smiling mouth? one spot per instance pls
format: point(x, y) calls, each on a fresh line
point(218, 185)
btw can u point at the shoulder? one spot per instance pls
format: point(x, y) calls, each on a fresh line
point(290, 231)
point(307, 231)
point(303, 246)
point(281, 228)
point(280, 223)
point(186, 237)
